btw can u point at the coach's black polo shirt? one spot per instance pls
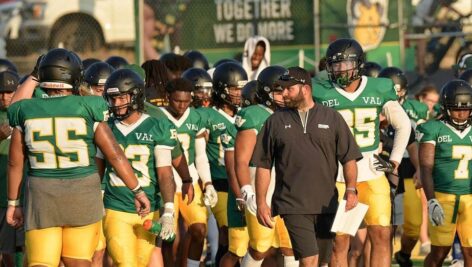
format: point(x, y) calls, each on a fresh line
point(305, 159)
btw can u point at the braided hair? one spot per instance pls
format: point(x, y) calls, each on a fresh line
point(157, 77)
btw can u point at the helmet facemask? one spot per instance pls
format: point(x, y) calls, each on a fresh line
point(343, 72)
point(135, 103)
point(202, 95)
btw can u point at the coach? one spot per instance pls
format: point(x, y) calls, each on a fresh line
point(304, 142)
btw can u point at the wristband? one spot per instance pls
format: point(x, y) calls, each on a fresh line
point(187, 181)
point(137, 190)
point(351, 189)
point(14, 203)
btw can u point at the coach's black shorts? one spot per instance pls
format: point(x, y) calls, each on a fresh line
point(11, 239)
point(305, 230)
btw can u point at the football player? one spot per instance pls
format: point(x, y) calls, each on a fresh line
point(228, 80)
point(248, 123)
point(202, 82)
point(59, 136)
point(11, 239)
point(408, 189)
point(190, 132)
point(147, 142)
point(361, 100)
point(95, 78)
point(445, 162)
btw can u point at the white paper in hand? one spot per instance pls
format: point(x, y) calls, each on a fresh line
point(348, 222)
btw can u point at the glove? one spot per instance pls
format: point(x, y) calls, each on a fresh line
point(210, 197)
point(436, 212)
point(167, 222)
point(382, 165)
point(241, 204)
point(250, 199)
point(34, 73)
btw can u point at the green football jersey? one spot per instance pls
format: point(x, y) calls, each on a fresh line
point(39, 93)
point(252, 117)
point(157, 113)
point(452, 158)
point(59, 133)
point(360, 109)
point(228, 137)
point(216, 122)
point(417, 111)
point(188, 127)
point(154, 111)
point(138, 142)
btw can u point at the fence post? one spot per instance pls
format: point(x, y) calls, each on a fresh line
point(317, 32)
point(401, 35)
point(138, 31)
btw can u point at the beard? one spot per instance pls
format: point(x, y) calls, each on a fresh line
point(295, 102)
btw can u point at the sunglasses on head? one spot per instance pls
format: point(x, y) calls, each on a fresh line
point(287, 77)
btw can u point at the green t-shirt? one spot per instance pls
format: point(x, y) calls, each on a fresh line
point(138, 142)
point(188, 127)
point(452, 158)
point(360, 109)
point(216, 122)
point(417, 111)
point(59, 133)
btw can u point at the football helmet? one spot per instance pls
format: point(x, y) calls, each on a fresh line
point(125, 81)
point(467, 76)
point(6, 64)
point(266, 86)
point(398, 78)
point(88, 62)
point(456, 94)
point(202, 82)
point(60, 69)
point(198, 59)
point(98, 73)
point(228, 76)
point(464, 62)
point(248, 94)
point(344, 61)
point(117, 62)
point(371, 69)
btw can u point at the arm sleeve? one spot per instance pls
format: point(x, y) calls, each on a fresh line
point(397, 117)
point(163, 156)
point(346, 146)
point(201, 160)
point(263, 155)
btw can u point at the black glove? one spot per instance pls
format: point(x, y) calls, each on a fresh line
point(34, 73)
point(382, 165)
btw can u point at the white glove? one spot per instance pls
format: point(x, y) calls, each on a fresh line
point(250, 197)
point(210, 197)
point(436, 212)
point(167, 222)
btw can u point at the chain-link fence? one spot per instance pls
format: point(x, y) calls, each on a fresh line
point(298, 31)
point(93, 29)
